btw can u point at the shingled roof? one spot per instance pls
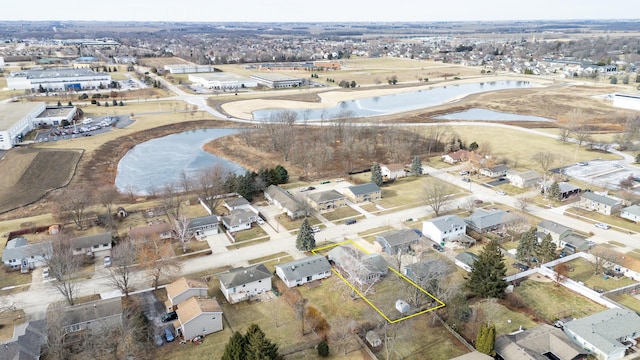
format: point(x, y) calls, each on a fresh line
point(244, 275)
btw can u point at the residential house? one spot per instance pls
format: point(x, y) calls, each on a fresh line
point(607, 335)
point(483, 220)
point(18, 254)
point(302, 271)
point(159, 230)
point(242, 283)
point(444, 228)
point(456, 156)
point(358, 266)
point(236, 203)
point(92, 315)
point(182, 289)
point(600, 203)
point(465, 260)
point(392, 171)
point(396, 241)
point(285, 201)
point(363, 193)
point(425, 269)
point(566, 190)
point(558, 232)
point(540, 342)
point(203, 226)
point(326, 200)
point(631, 213)
point(92, 245)
point(573, 243)
point(494, 171)
point(240, 219)
point(28, 343)
point(198, 316)
point(523, 179)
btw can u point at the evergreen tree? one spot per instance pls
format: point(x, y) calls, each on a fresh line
point(258, 347)
point(376, 174)
point(416, 166)
point(280, 175)
point(528, 245)
point(638, 156)
point(244, 185)
point(554, 192)
point(234, 350)
point(547, 250)
point(481, 338)
point(487, 273)
point(323, 349)
point(306, 240)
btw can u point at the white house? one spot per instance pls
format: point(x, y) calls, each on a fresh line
point(631, 213)
point(392, 171)
point(444, 228)
point(243, 283)
point(603, 204)
point(17, 254)
point(203, 226)
point(302, 271)
point(523, 179)
point(607, 335)
point(198, 316)
point(182, 289)
point(240, 219)
point(465, 260)
point(236, 203)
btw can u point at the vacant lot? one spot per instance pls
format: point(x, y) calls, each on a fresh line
point(27, 174)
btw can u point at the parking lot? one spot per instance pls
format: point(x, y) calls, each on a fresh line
point(86, 127)
point(607, 174)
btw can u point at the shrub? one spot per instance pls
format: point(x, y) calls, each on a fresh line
point(323, 349)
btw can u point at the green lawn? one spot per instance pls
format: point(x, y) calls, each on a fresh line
point(247, 243)
point(583, 271)
point(552, 301)
point(628, 301)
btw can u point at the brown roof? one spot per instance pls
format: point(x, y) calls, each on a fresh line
point(183, 284)
point(141, 232)
point(192, 307)
point(394, 167)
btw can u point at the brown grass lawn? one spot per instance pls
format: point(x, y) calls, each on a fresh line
point(583, 271)
point(255, 232)
point(552, 301)
point(627, 300)
point(341, 214)
point(593, 216)
point(505, 320)
point(290, 225)
point(13, 278)
point(244, 244)
point(8, 321)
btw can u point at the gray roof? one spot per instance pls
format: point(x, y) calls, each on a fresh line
point(497, 168)
point(285, 199)
point(56, 73)
point(633, 209)
point(534, 343)
point(600, 199)
point(343, 255)
point(27, 346)
point(363, 189)
point(398, 237)
point(94, 310)
point(18, 249)
point(323, 196)
point(554, 227)
point(302, 268)
point(244, 275)
point(237, 201)
point(423, 268)
point(486, 219)
point(238, 216)
point(88, 241)
point(525, 175)
point(203, 221)
point(446, 222)
point(580, 243)
point(603, 329)
point(467, 258)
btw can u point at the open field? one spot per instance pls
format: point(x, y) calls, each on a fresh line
point(28, 174)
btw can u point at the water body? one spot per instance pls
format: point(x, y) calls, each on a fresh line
point(476, 114)
point(395, 103)
point(159, 162)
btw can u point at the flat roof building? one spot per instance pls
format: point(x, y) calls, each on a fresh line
point(58, 79)
point(277, 81)
point(16, 120)
point(222, 80)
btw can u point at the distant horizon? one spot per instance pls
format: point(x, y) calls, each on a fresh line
point(329, 11)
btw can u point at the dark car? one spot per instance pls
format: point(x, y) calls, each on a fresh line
point(350, 221)
point(438, 247)
point(521, 267)
point(170, 316)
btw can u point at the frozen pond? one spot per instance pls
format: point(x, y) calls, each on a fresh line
point(395, 103)
point(159, 162)
point(476, 114)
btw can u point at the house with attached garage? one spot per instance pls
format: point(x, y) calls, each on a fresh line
point(601, 203)
point(444, 228)
point(19, 255)
point(203, 226)
point(198, 316)
point(243, 283)
point(456, 156)
point(302, 271)
point(93, 315)
point(557, 231)
point(494, 171)
point(285, 201)
point(631, 213)
point(523, 179)
point(326, 200)
point(363, 193)
point(483, 220)
point(541, 342)
point(396, 241)
point(240, 219)
point(182, 289)
point(607, 335)
point(92, 245)
point(392, 171)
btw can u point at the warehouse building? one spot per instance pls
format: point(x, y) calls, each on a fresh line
point(277, 81)
point(222, 81)
point(16, 120)
point(58, 79)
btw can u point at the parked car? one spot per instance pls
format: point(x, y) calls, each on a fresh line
point(603, 226)
point(438, 247)
point(315, 228)
point(170, 316)
point(350, 221)
point(466, 179)
point(260, 221)
point(500, 192)
point(45, 273)
point(464, 172)
point(521, 267)
point(107, 261)
point(168, 334)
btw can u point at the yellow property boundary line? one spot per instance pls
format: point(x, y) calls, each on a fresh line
point(440, 303)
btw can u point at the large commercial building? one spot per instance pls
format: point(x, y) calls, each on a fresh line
point(58, 79)
point(189, 68)
point(626, 101)
point(276, 81)
point(222, 81)
point(16, 120)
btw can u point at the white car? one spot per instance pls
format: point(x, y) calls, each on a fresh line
point(464, 172)
point(315, 228)
point(260, 221)
point(500, 192)
point(602, 226)
point(45, 273)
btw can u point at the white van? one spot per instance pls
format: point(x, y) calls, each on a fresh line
point(87, 121)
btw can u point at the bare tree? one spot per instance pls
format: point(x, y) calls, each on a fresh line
point(181, 231)
point(546, 160)
point(341, 335)
point(172, 202)
point(523, 202)
point(564, 133)
point(603, 257)
point(73, 203)
point(56, 347)
point(469, 204)
point(123, 258)
point(209, 186)
point(437, 194)
point(107, 196)
point(562, 272)
point(63, 267)
point(157, 258)
point(186, 182)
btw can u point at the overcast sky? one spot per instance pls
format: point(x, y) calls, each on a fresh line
point(311, 11)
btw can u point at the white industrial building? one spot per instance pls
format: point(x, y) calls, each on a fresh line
point(626, 101)
point(54, 116)
point(16, 120)
point(58, 79)
point(277, 81)
point(222, 81)
point(189, 68)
